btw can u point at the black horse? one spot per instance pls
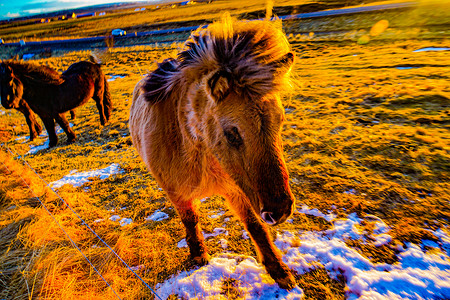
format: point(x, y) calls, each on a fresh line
point(49, 94)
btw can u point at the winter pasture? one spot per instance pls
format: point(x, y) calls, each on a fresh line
point(366, 142)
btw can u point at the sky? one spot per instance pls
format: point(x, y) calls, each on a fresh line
point(20, 8)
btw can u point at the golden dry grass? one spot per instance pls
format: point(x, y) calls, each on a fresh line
point(372, 119)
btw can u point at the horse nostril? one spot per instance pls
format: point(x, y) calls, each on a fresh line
point(268, 217)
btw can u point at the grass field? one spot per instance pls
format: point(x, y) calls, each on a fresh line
point(428, 15)
point(366, 140)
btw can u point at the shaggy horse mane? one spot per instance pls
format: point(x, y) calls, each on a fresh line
point(250, 53)
point(34, 72)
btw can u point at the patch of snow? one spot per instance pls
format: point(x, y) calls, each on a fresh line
point(350, 192)
point(432, 49)
point(182, 244)
point(115, 218)
point(138, 268)
point(24, 138)
point(417, 275)
point(114, 77)
point(315, 212)
point(216, 232)
point(125, 221)
point(36, 149)
point(206, 282)
point(406, 68)
point(215, 216)
point(122, 221)
point(79, 178)
point(223, 243)
point(157, 216)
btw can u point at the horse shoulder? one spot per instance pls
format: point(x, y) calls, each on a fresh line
point(138, 116)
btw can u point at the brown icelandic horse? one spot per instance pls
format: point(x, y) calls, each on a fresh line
point(50, 94)
point(209, 122)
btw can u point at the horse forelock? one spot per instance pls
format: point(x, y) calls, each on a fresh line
point(248, 50)
point(27, 71)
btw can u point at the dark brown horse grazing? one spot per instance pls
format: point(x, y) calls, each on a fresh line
point(50, 94)
point(209, 122)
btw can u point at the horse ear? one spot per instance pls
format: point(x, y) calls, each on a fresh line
point(285, 62)
point(219, 85)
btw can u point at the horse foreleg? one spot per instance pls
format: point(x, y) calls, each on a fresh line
point(30, 117)
point(194, 235)
point(49, 124)
point(62, 121)
point(31, 127)
point(269, 255)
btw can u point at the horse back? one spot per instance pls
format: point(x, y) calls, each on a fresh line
point(85, 68)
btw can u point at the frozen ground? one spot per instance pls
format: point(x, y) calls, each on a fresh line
point(419, 274)
point(422, 271)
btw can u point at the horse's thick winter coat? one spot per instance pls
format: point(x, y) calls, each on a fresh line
point(209, 122)
point(49, 94)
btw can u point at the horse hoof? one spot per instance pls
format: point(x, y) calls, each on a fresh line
point(201, 260)
point(287, 283)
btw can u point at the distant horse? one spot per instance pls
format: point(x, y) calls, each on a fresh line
point(50, 94)
point(209, 122)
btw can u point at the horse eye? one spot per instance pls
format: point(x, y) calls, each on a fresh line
point(233, 137)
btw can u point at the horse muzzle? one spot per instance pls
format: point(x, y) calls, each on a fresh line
point(277, 215)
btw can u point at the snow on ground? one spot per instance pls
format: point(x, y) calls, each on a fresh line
point(417, 275)
point(432, 49)
point(157, 216)
point(114, 77)
point(117, 218)
point(216, 232)
point(35, 149)
point(79, 178)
